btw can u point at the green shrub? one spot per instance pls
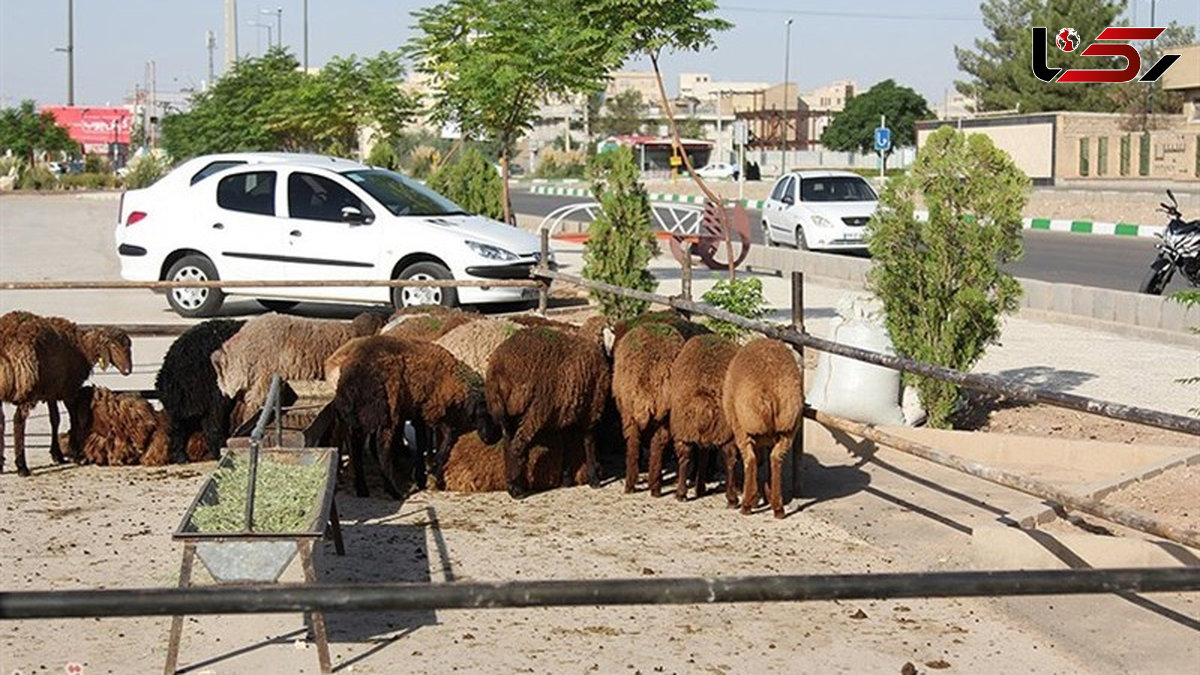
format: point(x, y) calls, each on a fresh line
point(145, 170)
point(471, 181)
point(558, 164)
point(94, 163)
point(88, 181)
point(383, 154)
point(37, 177)
point(420, 161)
point(621, 239)
point(743, 297)
point(940, 279)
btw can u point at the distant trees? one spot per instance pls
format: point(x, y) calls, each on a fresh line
point(853, 129)
point(24, 130)
point(622, 114)
point(267, 103)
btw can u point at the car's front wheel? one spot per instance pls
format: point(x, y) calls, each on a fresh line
point(411, 296)
point(194, 302)
point(801, 242)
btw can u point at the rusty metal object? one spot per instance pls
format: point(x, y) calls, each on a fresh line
point(709, 241)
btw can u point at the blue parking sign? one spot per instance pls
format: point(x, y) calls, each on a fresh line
point(883, 139)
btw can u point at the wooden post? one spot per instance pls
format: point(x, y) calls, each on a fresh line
point(543, 266)
point(320, 636)
point(176, 633)
point(685, 274)
point(791, 471)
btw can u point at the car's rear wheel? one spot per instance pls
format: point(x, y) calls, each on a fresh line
point(801, 242)
point(411, 296)
point(194, 302)
point(277, 305)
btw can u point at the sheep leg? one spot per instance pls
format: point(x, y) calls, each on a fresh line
point(421, 454)
point(1, 438)
point(750, 467)
point(353, 446)
point(55, 449)
point(683, 452)
point(215, 433)
point(19, 417)
point(382, 449)
point(589, 449)
point(633, 451)
point(659, 439)
point(516, 452)
point(783, 446)
point(731, 487)
point(447, 439)
point(702, 460)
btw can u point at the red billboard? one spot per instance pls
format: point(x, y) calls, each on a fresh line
point(92, 125)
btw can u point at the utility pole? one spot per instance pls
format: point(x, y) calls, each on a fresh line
point(210, 42)
point(787, 57)
point(231, 36)
point(278, 12)
point(70, 51)
point(306, 36)
point(1150, 85)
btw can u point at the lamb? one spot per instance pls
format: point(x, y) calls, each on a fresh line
point(292, 347)
point(187, 388)
point(641, 367)
point(473, 342)
point(697, 419)
point(542, 380)
point(428, 327)
point(48, 359)
point(474, 466)
point(124, 429)
point(763, 397)
point(387, 381)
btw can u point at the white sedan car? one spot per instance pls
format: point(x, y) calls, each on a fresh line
point(717, 170)
point(270, 216)
point(819, 210)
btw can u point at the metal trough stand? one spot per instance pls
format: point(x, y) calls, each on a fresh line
point(249, 556)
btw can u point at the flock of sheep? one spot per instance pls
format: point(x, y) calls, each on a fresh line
point(510, 403)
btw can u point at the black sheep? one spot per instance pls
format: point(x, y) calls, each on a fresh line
point(187, 387)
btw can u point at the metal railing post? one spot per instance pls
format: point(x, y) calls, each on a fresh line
point(544, 266)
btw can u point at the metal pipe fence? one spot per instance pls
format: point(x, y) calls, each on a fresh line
point(275, 598)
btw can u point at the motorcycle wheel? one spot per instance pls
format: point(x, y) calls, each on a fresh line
point(1155, 280)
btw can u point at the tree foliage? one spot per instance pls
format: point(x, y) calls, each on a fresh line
point(999, 66)
point(854, 127)
point(622, 114)
point(493, 63)
point(1143, 103)
point(940, 278)
point(266, 103)
point(743, 297)
point(471, 181)
point(620, 240)
point(24, 130)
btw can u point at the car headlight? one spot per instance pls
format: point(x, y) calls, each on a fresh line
point(821, 221)
point(491, 252)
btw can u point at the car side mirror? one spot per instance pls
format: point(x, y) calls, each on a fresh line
point(354, 216)
point(788, 199)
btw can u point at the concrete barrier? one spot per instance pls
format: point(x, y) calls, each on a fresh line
point(1122, 312)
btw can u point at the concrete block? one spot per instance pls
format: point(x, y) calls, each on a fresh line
point(1083, 300)
point(1173, 316)
point(1149, 311)
point(1125, 308)
point(1104, 305)
point(1039, 294)
point(1061, 298)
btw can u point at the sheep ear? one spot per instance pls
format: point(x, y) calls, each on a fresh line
point(218, 362)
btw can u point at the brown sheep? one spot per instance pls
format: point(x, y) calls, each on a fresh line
point(48, 359)
point(473, 342)
point(641, 367)
point(763, 397)
point(474, 466)
point(386, 381)
point(425, 323)
point(294, 348)
point(686, 327)
point(697, 419)
point(543, 380)
point(122, 429)
point(530, 320)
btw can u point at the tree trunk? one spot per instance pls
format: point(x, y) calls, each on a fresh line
point(662, 92)
point(508, 214)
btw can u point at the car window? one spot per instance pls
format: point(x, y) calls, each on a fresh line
point(402, 196)
point(213, 167)
point(777, 193)
point(790, 189)
point(318, 198)
point(252, 192)
point(836, 189)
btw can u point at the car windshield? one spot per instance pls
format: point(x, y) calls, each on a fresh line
point(403, 196)
point(836, 189)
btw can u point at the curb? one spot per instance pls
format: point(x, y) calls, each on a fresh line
point(1045, 224)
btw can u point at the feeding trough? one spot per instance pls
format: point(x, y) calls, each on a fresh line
point(256, 513)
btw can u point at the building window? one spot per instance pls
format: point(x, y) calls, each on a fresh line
point(1102, 156)
point(1144, 154)
point(1126, 151)
point(1083, 157)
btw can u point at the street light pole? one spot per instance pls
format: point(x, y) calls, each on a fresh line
point(70, 50)
point(306, 36)
point(787, 57)
point(278, 12)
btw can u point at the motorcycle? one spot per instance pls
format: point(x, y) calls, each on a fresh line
point(1178, 249)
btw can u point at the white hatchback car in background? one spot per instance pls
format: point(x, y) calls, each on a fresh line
point(717, 170)
point(819, 210)
point(252, 216)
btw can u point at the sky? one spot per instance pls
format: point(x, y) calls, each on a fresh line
point(862, 40)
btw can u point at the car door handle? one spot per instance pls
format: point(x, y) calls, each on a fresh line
point(295, 233)
point(218, 226)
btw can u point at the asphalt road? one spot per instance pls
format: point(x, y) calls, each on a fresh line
point(1059, 257)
